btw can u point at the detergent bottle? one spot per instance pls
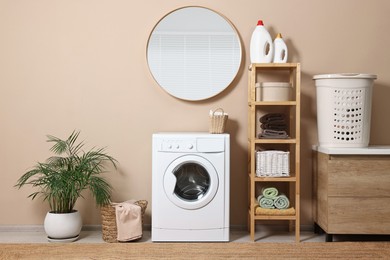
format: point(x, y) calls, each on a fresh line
point(281, 53)
point(261, 46)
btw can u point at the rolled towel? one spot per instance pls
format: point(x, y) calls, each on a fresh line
point(281, 202)
point(270, 192)
point(266, 203)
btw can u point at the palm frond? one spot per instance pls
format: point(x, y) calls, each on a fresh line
point(59, 147)
point(100, 189)
point(62, 178)
point(72, 148)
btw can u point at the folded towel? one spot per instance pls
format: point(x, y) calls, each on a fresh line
point(270, 192)
point(274, 212)
point(273, 134)
point(218, 113)
point(128, 220)
point(281, 202)
point(274, 121)
point(264, 202)
point(271, 117)
point(278, 126)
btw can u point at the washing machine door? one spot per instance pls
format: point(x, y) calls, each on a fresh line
point(190, 182)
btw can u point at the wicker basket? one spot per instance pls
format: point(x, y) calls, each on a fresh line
point(217, 121)
point(272, 163)
point(109, 229)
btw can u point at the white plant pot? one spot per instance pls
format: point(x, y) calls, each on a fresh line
point(63, 226)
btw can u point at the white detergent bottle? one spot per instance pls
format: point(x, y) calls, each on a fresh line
point(261, 46)
point(281, 53)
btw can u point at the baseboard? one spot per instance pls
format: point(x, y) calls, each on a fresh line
point(39, 228)
point(21, 228)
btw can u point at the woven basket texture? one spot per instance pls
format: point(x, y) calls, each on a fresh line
point(109, 229)
point(217, 122)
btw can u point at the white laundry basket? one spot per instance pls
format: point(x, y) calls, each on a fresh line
point(344, 109)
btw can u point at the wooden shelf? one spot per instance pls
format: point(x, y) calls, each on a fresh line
point(274, 141)
point(274, 66)
point(265, 217)
point(272, 103)
point(274, 179)
point(255, 110)
point(274, 217)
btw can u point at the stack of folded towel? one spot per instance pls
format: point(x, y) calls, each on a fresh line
point(273, 125)
point(271, 199)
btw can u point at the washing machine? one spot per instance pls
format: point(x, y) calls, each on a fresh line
point(190, 187)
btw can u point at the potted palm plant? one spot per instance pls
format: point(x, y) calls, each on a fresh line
point(62, 178)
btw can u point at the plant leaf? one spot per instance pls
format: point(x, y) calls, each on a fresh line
point(63, 177)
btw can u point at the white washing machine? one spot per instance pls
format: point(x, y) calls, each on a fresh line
point(190, 187)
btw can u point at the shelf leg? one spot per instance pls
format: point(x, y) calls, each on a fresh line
point(252, 229)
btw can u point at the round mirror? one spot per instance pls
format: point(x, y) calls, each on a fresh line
point(194, 53)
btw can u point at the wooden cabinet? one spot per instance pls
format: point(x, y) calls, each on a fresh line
point(351, 190)
point(285, 72)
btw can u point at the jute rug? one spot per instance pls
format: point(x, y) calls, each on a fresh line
point(308, 250)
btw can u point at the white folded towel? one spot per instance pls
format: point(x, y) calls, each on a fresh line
point(218, 113)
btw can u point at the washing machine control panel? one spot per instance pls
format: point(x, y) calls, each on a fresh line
point(179, 145)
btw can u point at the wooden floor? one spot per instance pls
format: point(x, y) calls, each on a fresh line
point(33, 244)
point(315, 250)
point(37, 235)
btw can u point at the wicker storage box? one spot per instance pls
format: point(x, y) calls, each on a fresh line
point(109, 229)
point(218, 120)
point(272, 164)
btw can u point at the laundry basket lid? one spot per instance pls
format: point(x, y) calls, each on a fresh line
point(345, 76)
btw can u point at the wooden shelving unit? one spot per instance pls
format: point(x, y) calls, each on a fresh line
point(288, 72)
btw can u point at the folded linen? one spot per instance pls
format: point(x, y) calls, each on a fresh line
point(272, 117)
point(265, 202)
point(273, 134)
point(270, 192)
point(128, 221)
point(217, 113)
point(281, 202)
point(278, 126)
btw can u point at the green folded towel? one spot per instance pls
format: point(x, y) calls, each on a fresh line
point(266, 203)
point(270, 192)
point(281, 202)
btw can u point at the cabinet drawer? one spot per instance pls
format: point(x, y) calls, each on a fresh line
point(358, 215)
point(363, 176)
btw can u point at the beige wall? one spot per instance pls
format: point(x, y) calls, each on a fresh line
point(81, 64)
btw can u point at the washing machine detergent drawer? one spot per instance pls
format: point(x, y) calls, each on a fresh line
point(192, 145)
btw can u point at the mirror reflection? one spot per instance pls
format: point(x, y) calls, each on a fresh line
point(194, 53)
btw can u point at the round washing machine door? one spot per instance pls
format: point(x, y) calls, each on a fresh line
point(190, 182)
